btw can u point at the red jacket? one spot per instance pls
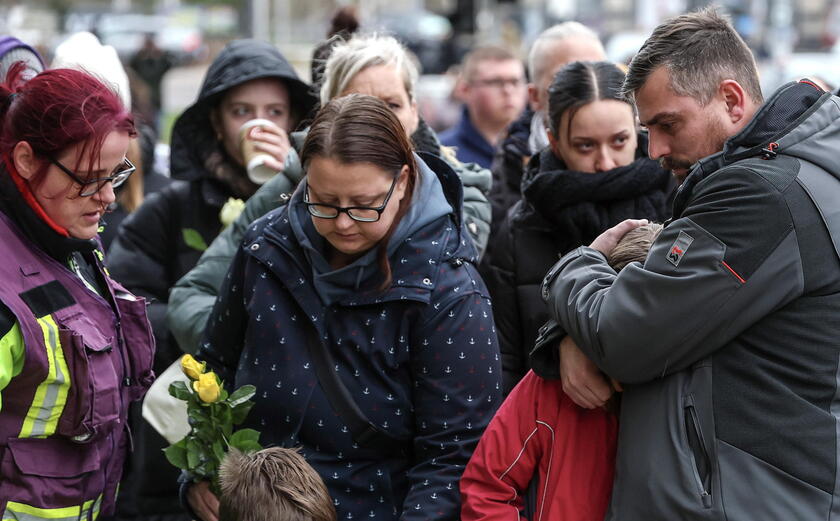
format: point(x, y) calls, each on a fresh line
point(539, 429)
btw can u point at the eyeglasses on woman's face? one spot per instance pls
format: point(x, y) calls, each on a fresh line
point(365, 214)
point(92, 186)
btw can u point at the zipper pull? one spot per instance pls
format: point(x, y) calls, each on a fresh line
point(770, 151)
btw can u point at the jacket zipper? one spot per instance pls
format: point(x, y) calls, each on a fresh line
point(703, 482)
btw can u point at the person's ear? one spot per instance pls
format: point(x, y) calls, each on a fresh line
point(554, 143)
point(25, 161)
point(735, 100)
point(402, 184)
point(533, 97)
point(415, 116)
point(461, 91)
point(216, 123)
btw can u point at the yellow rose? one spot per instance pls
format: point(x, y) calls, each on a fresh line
point(207, 387)
point(191, 367)
point(231, 210)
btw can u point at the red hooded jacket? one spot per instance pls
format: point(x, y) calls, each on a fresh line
point(538, 429)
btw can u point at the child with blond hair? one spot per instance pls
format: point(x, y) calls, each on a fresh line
point(274, 484)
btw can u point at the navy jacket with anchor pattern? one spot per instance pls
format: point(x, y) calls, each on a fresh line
point(421, 359)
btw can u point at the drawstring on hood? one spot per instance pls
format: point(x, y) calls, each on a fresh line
point(428, 204)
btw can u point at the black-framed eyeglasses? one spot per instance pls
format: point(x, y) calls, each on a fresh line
point(365, 214)
point(92, 186)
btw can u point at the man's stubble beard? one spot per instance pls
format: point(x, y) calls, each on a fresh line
point(717, 137)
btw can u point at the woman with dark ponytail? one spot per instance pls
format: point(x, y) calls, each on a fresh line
point(75, 346)
point(594, 174)
point(369, 262)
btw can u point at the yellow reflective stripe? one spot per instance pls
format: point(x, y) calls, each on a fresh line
point(51, 394)
point(21, 512)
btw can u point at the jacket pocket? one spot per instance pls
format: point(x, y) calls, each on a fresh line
point(138, 344)
point(700, 461)
point(54, 471)
point(94, 403)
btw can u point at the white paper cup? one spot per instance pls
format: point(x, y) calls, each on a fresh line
point(254, 159)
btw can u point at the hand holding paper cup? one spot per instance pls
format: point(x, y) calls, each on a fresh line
point(255, 159)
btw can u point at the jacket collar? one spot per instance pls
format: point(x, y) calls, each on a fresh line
point(56, 245)
point(471, 135)
point(777, 119)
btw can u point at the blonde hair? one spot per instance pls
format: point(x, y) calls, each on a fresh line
point(130, 196)
point(352, 57)
point(634, 246)
point(274, 484)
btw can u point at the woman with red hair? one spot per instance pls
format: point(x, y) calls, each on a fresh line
point(75, 347)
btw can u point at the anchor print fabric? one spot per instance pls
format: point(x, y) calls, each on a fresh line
point(421, 361)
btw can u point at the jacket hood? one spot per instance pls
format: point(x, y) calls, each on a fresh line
point(193, 137)
point(429, 203)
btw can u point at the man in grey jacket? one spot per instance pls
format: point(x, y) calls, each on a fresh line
point(726, 338)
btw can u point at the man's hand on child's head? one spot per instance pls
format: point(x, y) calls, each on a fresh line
point(582, 381)
point(605, 243)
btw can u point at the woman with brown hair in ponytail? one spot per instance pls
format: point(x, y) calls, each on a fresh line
point(363, 285)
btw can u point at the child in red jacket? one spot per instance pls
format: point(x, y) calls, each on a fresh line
point(539, 432)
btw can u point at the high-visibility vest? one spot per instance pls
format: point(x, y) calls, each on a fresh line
point(63, 422)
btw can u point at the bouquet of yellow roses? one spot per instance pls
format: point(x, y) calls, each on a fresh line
point(212, 414)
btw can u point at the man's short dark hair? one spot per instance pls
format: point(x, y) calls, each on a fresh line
point(699, 50)
point(274, 484)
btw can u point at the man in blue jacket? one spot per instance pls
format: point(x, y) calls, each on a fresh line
point(725, 339)
point(493, 89)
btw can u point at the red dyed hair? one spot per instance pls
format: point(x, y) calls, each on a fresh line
point(55, 110)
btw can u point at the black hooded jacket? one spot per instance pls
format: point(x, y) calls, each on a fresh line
point(560, 210)
point(508, 167)
point(164, 238)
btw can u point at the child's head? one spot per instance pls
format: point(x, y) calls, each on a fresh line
point(634, 246)
point(274, 484)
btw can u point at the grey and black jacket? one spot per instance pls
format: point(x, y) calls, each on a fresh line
point(727, 338)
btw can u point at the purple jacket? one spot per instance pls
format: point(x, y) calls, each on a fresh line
point(63, 429)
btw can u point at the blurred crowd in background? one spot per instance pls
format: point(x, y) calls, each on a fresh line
point(790, 38)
